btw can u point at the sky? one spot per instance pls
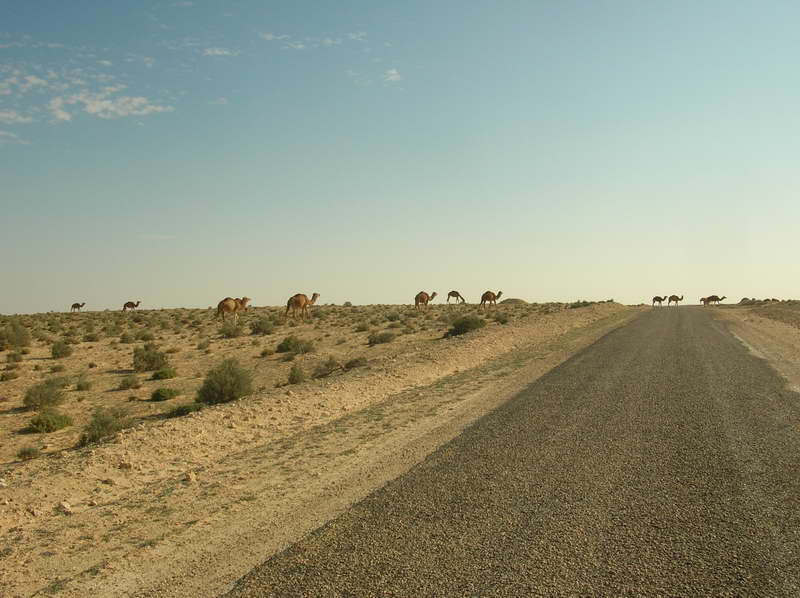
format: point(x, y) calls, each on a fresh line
point(180, 152)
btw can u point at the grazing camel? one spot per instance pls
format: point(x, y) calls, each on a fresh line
point(232, 306)
point(674, 298)
point(455, 295)
point(77, 306)
point(715, 299)
point(658, 300)
point(491, 298)
point(422, 298)
point(300, 302)
point(130, 305)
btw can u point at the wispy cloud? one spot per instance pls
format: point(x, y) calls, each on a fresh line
point(272, 36)
point(104, 104)
point(9, 137)
point(220, 52)
point(295, 46)
point(392, 76)
point(359, 36)
point(12, 117)
point(105, 63)
point(56, 107)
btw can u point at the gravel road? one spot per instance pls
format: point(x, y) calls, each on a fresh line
point(662, 460)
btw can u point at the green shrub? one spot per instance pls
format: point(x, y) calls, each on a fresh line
point(356, 362)
point(185, 409)
point(145, 335)
point(297, 374)
point(58, 381)
point(43, 395)
point(83, 383)
point(580, 303)
point(262, 325)
point(54, 369)
point(14, 357)
point(128, 382)
point(362, 327)
point(231, 330)
point(60, 349)
point(164, 374)
point(126, 338)
point(380, 338)
point(16, 335)
point(226, 382)
point(49, 420)
point(92, 337)
point(104, 424)
point(267, 352)
point(292, 344)
point(148, 358)
point(501, 318)
point(393, 316)
point(204, 344)
point(326, 368)
point(466, 324)
point(27, 453)
point(164, 394)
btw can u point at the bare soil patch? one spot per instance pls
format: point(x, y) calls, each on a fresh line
point(184, 506)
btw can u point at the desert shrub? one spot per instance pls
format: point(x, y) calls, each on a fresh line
point(347, 304)
point(297, 346)
point(173, 350)
point(262, 325)
point(395, 325)
point(148, 358)
point(49, 420)
point(7, 376)
point(297, 374)
point(14, 365)
point(326, 368)
point(54, 369)
point(92, 337)
point(380, 338)
point(204, 344)
point(126, 338)
point(224, 383)
point(356, 362)
point(267, 352)
point(164, 374)
point(16, 335)
point(83, 383)
point(362, 327)
point(448, 317)
point(128, 382)
point(466, 324)
point(185, 409)
point(104, 424)
point(501, 318)
point(27, 453)
point(393, 316)
point(14, 357)
point(231, 330)
point(581, 303)
point(58, 381)
point(164, 394)
point(60, 349)
point(70, 339)
point(43, 395)
point(113, 330)
point(145, 335)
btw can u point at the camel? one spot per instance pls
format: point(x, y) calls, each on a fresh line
point(658, 300)
point(300, 302)
point(423, 298)
point(704, 301)
point(455, 295)
point(491, 298)
point(715, 299)
point(674, 298)
point(130, 305)
point(77, 306)
point(232, 306)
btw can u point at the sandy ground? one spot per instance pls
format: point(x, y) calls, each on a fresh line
point(184, 507)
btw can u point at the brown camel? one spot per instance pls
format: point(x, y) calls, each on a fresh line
point(130, 305)
point(422, 298)
point(491, 298)
point(674, 298)
point(232, 306)
point(658, 300)
point(455, 295)
point(715, 299)
point(77, 306)
point(704, 301)
point(300, 302)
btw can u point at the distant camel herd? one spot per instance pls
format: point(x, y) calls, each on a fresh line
point(714, 299)
point(300, 303)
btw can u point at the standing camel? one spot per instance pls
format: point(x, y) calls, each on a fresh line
point(674, 298)
point(300, 302)
point(455, 295)
point(77, 306)
point(130, 305)
point(491, 298)
point(422, 298)
point(704, 301)
point(658, 300)
point(715, 299)
point(232, 306)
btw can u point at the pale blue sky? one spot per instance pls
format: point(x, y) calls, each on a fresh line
point(179, 152)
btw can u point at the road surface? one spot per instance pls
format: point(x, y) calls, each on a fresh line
point(662, 460)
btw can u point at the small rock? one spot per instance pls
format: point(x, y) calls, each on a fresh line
point(3, 483)
point(34, 511)
point(65, 508)
point(109, 481)
point(190, 477)
point(92, 503)
point(125, 465)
